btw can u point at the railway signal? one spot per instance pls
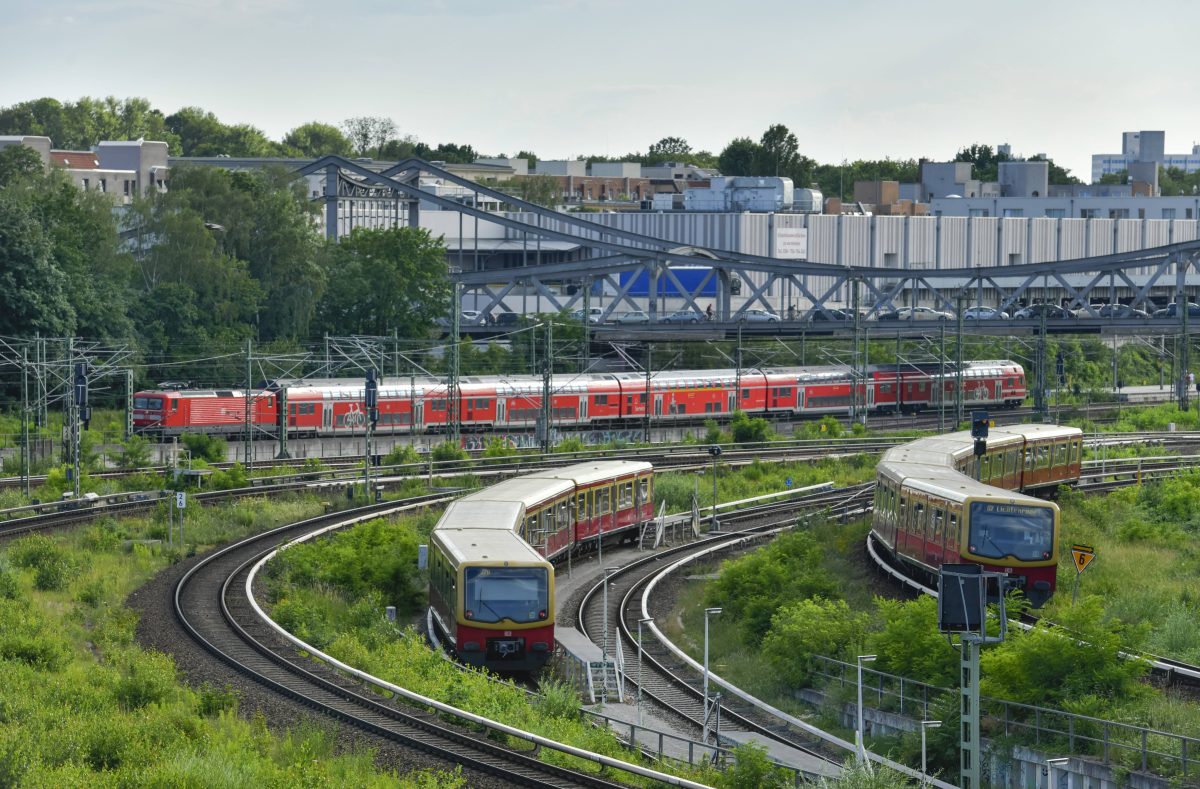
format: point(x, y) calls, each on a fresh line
point(979, 431)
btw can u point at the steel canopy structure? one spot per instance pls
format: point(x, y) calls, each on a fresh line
point(623, 257)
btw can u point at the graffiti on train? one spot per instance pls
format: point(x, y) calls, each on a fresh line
point(531, 440)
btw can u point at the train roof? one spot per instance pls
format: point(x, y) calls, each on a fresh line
point(481, 513)
point(949, 484)
point(1044, 432)
point(527, 491)
point(597, 471)
point(487, 546)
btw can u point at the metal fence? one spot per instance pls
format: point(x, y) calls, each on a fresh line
point(1137, 747)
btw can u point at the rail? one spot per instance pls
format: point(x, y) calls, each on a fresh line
point(425, 701)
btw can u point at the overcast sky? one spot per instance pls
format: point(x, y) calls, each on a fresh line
point(562, 78)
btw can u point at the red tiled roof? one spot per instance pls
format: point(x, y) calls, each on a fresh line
point(75, 160)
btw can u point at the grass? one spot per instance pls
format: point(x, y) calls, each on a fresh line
point(81, 704)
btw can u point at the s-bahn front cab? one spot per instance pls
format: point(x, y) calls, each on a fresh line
point(506, 619)
point(1015, 536)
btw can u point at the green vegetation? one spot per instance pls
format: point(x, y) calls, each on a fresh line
point(758, 478)
point(81, 704)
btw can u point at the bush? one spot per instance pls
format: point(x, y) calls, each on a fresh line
point(211, 449)
point(448, 451)
point(134, 454)
point(212, 702)
point(910, 645)
point(753, 769)
point(51, 566)
point(570, 444)
point(748, 430)
point(402, 455)
point(146, 678)
point(811, 627)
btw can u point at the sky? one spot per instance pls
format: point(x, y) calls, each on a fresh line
point(563, 78)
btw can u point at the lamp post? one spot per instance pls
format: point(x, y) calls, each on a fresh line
point(639, 689)
point(707, 613)
point(924, 726)
point(604, 646)
point(860, 749)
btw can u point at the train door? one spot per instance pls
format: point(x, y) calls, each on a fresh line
point(327, 416)
point(658, 402)
point(799, 398)
point(733, 401)
point(870, 387)
point(499, 411)
point(583, 405)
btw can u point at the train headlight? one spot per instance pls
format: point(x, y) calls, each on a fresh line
point(542, 614)
point(1045, 554)
point(469, 614)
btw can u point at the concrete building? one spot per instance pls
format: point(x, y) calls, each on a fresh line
point(1069, 207)
point(41, 145)
point(572, 167)
point(617, 169)
point(942, 179)
point(517, 166)
point(1143, 146)
point(1024, 179)
point(145, 159)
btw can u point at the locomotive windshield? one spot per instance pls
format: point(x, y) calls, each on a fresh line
point(148, 403)
point(1017, 531)
point(518, 594)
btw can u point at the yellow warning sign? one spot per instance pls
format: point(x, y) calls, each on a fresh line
point(1083, 556)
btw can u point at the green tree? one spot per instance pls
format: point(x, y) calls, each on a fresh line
point(752, 768)
point(807, 628)
point(780, 150)
point(380, 280)
point(985, 162)
point(33, 294)
point(200, 133)
point(909, 643)
point(369, 133)
point(317, 139)
point(670, 149)
point(740, 157)
point(44, 117)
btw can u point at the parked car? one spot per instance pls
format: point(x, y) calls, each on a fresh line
point(984, 314)
point(683, 316)
point(506, 318)
point(595, 315)
point(1035, 311)
point(636, 316)
point(1113, 311)
point(470, 317)
point(1170, 311)
point(835, 314)
point(758, 316)
point(916, 314)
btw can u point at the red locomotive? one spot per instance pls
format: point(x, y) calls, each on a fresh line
point(486, 403)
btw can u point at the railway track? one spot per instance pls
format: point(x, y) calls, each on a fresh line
point(211, 604)
point(671, 687)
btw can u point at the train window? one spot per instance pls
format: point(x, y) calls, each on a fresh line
point(530, 526)
point(1074, 452)
point(952, 532)
point(174, 405)
point(644, 489)
point(1060, 454)
point(885, 388)
point(939, 519)
point(1028, 458)
point(1043, 457)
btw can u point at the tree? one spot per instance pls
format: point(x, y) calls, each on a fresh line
point(1057, 175)
point(985, 162)
point(369, 133)
point(317, 139)
point(670, 149)
point(780, 149)
point(740, 157)
point(530, 156)
point(909, 643)
point(32, 288)
point(808, 628)
point(541, 189)
point(384, 280)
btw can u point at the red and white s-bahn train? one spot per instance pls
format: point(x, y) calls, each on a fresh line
point(937, 503)
point(491, 580)
point(335, 407)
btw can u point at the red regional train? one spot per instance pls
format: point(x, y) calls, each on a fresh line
point(491, 581)
point(936, 503)
point(335, 407)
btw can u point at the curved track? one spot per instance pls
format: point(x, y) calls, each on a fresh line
point(211, 605)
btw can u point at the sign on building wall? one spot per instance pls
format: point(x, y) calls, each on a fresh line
point(791, 243)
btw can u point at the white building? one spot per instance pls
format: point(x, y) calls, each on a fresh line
point(1143, 146)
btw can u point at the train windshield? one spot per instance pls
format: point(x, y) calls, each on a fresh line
point(518, 594)
point(148, 403)
point(1017, 531)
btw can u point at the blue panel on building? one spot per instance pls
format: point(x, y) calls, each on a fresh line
point(690, 278)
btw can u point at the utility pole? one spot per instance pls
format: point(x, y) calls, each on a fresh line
point(1039, 396)
point(941, 381)
point(281, 402)
point(371, 409)
point(649, 394)
point(587, 323)
point(128, 404)
point(737, 361)
point(958, 387)
point(1185, 365)
point(855, 401)
point(547, 389)
point(248, 442)
point(26, 455)
point(452, 384)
